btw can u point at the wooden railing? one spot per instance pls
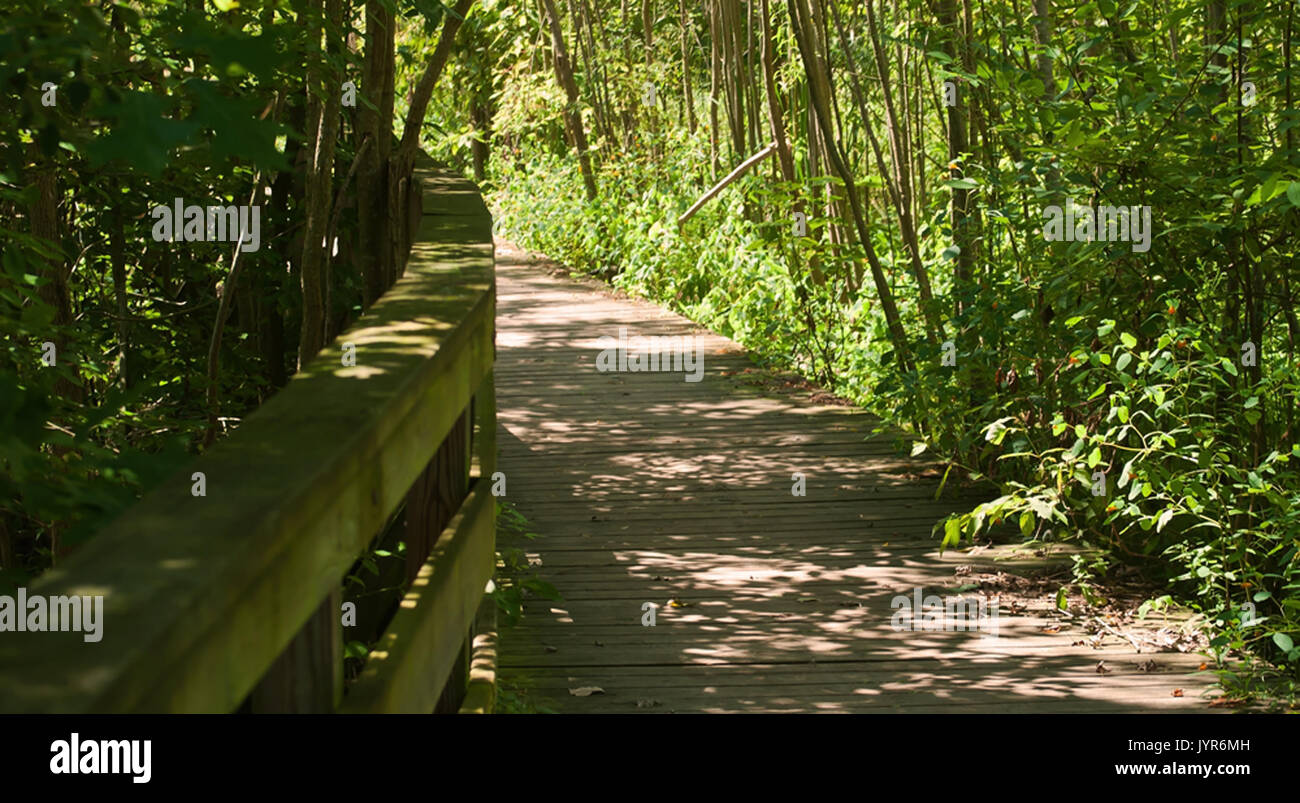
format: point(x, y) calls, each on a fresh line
point(231, 601)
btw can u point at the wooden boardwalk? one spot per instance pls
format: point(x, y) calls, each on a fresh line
point(648, 488)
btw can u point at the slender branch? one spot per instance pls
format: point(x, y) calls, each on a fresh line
point(218, 328)
point(721, 185)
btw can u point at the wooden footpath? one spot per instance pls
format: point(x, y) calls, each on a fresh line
point(647, 488)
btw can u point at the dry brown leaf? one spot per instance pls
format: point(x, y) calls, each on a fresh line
point(1178, 692)
point(586, 691)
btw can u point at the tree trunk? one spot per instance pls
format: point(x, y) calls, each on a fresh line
point(572, 112)
point(686, 68)
point(322, 122)
point(818, 74)
point(372, 176)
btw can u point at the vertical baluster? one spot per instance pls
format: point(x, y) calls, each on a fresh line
point(307, 678)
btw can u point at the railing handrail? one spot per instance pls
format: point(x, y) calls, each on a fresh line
point(203, 593)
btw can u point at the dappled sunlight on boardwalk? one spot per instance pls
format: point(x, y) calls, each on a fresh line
point(646, 488)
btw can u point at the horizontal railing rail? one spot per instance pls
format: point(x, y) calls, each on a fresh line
point(230, 600)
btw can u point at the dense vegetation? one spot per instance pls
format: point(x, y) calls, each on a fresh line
point(1135, 398)
point(123, 353)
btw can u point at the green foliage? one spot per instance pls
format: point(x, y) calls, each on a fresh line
point(149, 104)
point(515, 580)
point(1072, 357)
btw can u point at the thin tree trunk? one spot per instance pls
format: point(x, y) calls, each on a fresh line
point(785, 157)
point(902, 170)
point(322, 121)
point(572, 112)
point(117, 256)
point(372, 176)
point(819, 84)
point(419, 100)
point(959, 144)
point(686, 67)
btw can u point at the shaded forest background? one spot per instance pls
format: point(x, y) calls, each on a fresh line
point(885, 238)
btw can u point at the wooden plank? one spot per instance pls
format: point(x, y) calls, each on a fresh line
point(485, 405)
point(644, 487)
point(202, 594)
point(436, 495)
point(409, 667)
point(307, 678)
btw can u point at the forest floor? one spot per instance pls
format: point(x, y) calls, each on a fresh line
point(696, 578)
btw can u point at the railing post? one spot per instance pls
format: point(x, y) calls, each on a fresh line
point(485, 411)
point(436, 495)
point(307, 678)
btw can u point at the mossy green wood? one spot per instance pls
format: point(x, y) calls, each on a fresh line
point(407, 669)
point(481, 694)
point(202, 593)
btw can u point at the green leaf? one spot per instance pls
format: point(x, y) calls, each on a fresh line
point(142, 134)
point(1293, 193)
point(1094, 457)
point(1283, 641)
point(1027, 523)
point(237, 133)
point(1128, 340)
point(952, 532)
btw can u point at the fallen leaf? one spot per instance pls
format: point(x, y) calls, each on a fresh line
point(586, 691)
point(549, 648)
point(1203, 667)
point(646, 703)
point(1178, 692)
point(599, 643)
point(1102, 669)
